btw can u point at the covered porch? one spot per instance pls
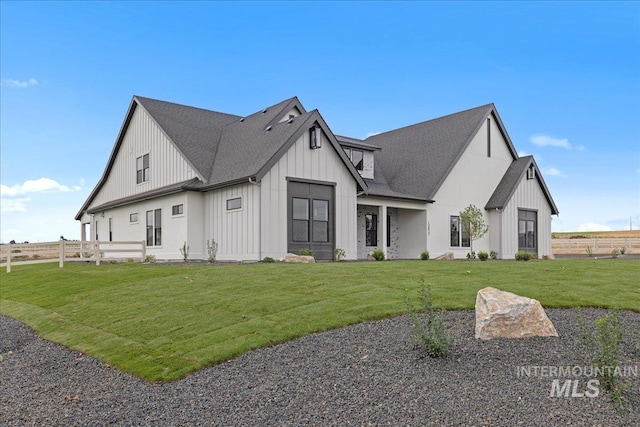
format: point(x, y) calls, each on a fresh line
point(397, 227)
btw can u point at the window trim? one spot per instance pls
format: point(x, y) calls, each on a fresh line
point(180, 207)
point(111, 229)
point(142, 174)
point(155, 227)
point(371, 232)
point(238, 209)
point(131, 220)
point(349, 152)
point(460, 233)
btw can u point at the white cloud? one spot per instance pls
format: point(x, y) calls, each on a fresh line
point(554, 172)
point(372, 134)
point(549, 141)
point(14, 205)
point(523, 154)
point(18, 83)
point(35, 186)
point(590, 226)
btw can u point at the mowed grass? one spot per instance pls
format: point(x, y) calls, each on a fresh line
point(162, 322)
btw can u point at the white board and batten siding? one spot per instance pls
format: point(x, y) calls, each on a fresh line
point(528, 195)
point(166, 165)
point(235, 231)
point(301, 162)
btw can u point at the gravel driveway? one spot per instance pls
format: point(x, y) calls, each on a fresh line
point(366, 374)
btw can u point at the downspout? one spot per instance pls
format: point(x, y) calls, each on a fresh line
point(256, 183)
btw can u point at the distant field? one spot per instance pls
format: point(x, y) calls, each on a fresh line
point(596, 234)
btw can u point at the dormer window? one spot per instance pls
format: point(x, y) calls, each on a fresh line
point(356, 157)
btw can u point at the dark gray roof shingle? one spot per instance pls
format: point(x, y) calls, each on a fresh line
point(416, 159)
point(510, 181)
point(195, 132)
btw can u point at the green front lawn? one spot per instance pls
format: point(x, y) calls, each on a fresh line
point(162, 322)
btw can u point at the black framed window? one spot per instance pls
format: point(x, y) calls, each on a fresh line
point(154, 227)
point(97, 230)
point(460, 233)
point(388, 231)
point(234, 204)
point(356, 157)
point(177, 209)
point(300, 219)
point(527, 230)
point(142, 169)
point(111, 229)
point(371, 224)
point(320, 220)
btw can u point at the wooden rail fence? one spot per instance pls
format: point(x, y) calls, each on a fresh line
point(596, 246)
point(70, 251)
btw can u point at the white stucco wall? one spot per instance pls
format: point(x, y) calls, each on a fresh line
point(175, 229)
point(471, 181)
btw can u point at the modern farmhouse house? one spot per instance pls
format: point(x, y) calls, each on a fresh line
point(279, 180)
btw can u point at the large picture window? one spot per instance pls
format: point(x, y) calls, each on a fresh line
point(460, 236)
point(154, 227)
point(142, 169)
point(371, 224)
point(527, 230)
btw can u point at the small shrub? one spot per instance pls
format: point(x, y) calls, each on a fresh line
point(589, 251)
point(483, 256)
point(340, 254)
point(471, 255)
point(493, 255)
point(212, 250)
point(35, 256)
point(429, 331)
point(267, 259)
point(306, 252)
point(523, 256)
point(424, 255)
point(623, 250)
point(130, 261)
point(378, 254)
point(184, 251)
point(150, 258)
point(603, 348)
point(615, 253)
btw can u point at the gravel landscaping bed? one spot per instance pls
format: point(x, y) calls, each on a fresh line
point(366, 374)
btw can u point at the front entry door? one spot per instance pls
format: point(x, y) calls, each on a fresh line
point(311, 222)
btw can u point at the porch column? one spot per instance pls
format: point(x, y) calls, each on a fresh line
point(383, 229)
point(83, 237)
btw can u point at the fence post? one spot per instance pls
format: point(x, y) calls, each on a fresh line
point(9, 259)
point(61, 261)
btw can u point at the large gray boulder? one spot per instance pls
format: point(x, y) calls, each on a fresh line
point(502, 314)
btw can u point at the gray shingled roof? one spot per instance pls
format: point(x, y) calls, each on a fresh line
point(356, 143)
point(195, 132)
point(225, 148)
point(510, 181)
point(247, 145)
point(416, 159)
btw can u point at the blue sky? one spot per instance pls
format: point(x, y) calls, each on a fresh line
point(565, 78)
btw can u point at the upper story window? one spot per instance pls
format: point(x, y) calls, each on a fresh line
point(356, 157)
point(142, 169)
